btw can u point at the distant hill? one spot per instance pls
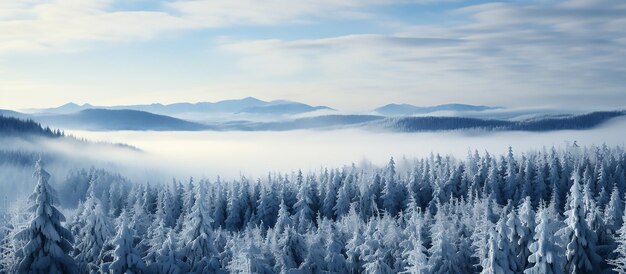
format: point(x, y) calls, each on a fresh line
point(14, 114)
point(245, 105)
point(105, 119)
point(325, 121)
point(419, 124)
point(261, 116)
point(406, 109)
point(226, 106)
point(11, 126)
point(64, 109)
point(415, 124)
point(283, 109)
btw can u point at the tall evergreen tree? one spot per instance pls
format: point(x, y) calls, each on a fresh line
point(46, 243)
point(334, 258)
point(614, 211)
point(501, 257)
point(169, 261)
point(524, 232)
point(619, 263)
point(546, 254)
point(126, 258)
point(580, 252)
point(443, 252)
point(93, 236)
point(197, 235)
point(392, 192)
point(304, 213)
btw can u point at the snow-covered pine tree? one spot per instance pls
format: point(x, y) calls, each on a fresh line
point(8, 244)
point(614, 211)
point(167, 203)
point(153, 241)
point(304, 214)
point(167, 257)
point(540, 189)
point(546, 256)
point(268, 206)
point(92, 237)
point(443, 252)
point(373, 252)
point(126, 258)
point(495, 261)
point(353, 252)
point(511, 188)
point(332, 186)
point(197, 233)
point(292, 251)
point(492, 184)
point(141, 218)
point(501, 258)
point(514, 232)
point(188, 200)
point(235, 208)
point(219, 207)
point(619, 263)
point(392, 192)
point(314, 262)
point(368, 204)
point(343, 201)
point(46, 243)
point(284, 219)
point(524, 232)
point(580, 252)
point(248, 259)
point(335, 261)
point(414, 253)
point(174, 202)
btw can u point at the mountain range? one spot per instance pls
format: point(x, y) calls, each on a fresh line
point(240, 114)
point(248, 105)
point(107, 119)
point(122, 119)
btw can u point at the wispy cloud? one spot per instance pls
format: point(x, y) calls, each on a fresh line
point(503, 53)
point(521, 49)
point(56, 24)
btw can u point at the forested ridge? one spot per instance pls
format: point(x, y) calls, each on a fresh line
point(547, 211)
point(10, 126)
point(565, 122)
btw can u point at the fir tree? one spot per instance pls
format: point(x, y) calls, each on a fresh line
point(197, 235)
point(545, 253)
point(46, 243)
point(580, 252)
point(93, 236)
point(619, 263)
point(126, 258)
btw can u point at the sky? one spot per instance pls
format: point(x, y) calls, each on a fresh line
point(353, 55)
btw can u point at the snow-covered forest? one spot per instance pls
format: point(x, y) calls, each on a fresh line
point(547, 211)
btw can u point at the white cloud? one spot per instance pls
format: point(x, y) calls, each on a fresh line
point(549, 52)
point(57, 24)
point(60, 24)
point(560, 51)
point(228, 12)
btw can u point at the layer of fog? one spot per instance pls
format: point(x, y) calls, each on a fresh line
point(62, 156)
point(208, 154)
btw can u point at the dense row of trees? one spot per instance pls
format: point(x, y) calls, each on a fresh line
point(582, 121)
point(551, 211)
point(10, 126)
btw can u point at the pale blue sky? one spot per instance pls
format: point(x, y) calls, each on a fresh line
point(350, 54)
